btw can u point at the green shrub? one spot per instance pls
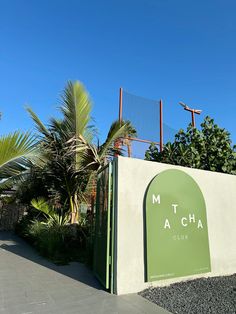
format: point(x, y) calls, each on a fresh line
point(23, 226)
point(51, 241)
point(53, 237)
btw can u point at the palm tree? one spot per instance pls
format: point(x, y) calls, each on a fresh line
point(68, 146)
point(17, 150)
point(131, 132)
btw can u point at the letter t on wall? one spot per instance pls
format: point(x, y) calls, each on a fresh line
point(175, 207)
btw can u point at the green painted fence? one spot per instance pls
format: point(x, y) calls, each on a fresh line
point(102, 242)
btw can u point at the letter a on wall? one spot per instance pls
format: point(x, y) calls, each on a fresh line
point(175, 244)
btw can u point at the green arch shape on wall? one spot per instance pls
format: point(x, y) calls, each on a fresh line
point(176, 227)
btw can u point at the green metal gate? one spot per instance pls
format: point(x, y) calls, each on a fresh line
point(103, 242)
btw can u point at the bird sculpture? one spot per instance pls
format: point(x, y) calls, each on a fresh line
point(193, 111)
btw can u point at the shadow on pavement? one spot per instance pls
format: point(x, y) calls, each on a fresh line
point(74, 270)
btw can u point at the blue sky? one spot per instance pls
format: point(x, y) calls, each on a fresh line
point(174, 50)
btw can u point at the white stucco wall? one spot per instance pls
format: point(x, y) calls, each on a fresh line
point(219, 191)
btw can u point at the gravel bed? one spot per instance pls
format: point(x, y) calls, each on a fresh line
point(200, 296)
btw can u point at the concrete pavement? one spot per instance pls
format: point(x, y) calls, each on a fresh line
point(30, 284)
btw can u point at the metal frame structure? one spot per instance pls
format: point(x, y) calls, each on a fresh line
point(160, 143)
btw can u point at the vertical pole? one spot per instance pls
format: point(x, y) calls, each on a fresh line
point(193, 119)
point(161, 126)
point(120, 104)
point(129, 147)
point(118, 141)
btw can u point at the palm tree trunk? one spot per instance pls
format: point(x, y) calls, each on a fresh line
point(72, 210)
point(76, 208)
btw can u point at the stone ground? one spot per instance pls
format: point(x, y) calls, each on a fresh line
point(215, 295)
point(30, 284)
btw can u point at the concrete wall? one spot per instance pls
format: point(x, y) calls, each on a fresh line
point(133, 177)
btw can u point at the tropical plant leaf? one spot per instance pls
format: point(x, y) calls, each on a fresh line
point(117, 130)
point(39, 124)
point(76, 109)
point(51, 215)
point(9, 182)
point(15, 148)
point(41, 205)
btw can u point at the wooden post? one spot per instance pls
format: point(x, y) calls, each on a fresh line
point(193, 119)
point(161, 126)
point(117, 143)
point(120, 104)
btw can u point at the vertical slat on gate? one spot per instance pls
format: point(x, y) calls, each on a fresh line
point(113, 186)
point(108, 227)
point(103, 224)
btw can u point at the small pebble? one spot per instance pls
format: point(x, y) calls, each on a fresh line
point(213, 295)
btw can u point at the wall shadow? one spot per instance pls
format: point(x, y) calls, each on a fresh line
point(145, 236)
point(75, 270)
point(145, 231)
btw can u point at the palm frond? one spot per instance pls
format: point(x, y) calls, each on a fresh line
point(76, 108)
point(39, 124)
point(117, 130)
point(14, 149)
point(10, 181)
point(41, 205)
point(52, 216)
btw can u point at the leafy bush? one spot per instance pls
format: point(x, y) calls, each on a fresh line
point(22, 227)
point(52, 215)
point(209, 149)
point(59, 243)
point(48, 230)
point(51, 241)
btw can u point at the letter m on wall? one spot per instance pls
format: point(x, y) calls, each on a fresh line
point(156, 199)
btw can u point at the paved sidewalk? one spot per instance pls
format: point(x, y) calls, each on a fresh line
point(31, 284)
